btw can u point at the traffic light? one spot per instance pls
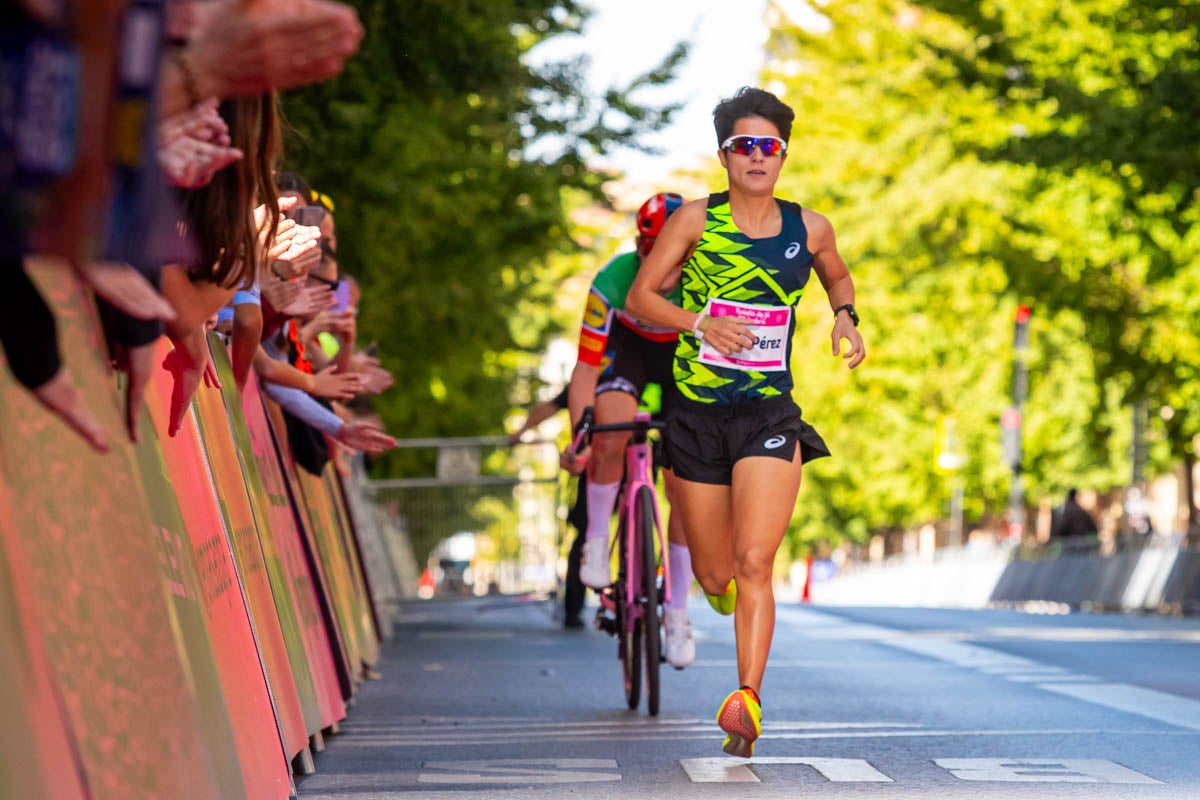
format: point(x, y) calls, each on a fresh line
point(1021, 328)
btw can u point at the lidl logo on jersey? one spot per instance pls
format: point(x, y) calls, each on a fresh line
point(595, 313)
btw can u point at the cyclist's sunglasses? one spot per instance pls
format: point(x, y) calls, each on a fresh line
point(744, 145)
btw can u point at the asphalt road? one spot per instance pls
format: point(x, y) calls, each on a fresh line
point(489, 699)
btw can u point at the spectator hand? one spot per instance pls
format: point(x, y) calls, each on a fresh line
point(187, 372)
point(375, 380)
point(126, 288)
point(296, 249)
point(260, 213)
point(190, 163)
point(295, 299)
point(60, 397)
point(336, 322)
point(279, 293)
point(365, 436)
point(136, 362)
point(336, 385)
point(247, 47)
point(360, 361)
point(202, 122)
point(194, 145)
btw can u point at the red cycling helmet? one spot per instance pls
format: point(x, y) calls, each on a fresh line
point(652, 216)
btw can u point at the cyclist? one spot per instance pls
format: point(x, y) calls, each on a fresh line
point(735, 437)
point(618, 357)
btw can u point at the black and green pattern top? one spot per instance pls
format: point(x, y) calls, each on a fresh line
point(749, 278)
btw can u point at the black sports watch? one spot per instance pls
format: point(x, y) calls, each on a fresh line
point(849, 309)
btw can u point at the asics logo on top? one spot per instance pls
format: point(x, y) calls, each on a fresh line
point(792, 251)
point(775, 442)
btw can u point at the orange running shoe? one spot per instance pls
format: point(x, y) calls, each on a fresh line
point(741, 718)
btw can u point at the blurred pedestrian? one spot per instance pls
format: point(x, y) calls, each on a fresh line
point(1071, 519)
point(574, 591)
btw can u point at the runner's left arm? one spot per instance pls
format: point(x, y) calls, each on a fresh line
point(835, 277)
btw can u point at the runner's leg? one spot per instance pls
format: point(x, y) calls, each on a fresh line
point(707, 512)
point(764, 495)
point(680, 642)
point(680, 560)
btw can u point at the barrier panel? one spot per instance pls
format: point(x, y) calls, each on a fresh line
point(267, 619)
point(330, 533)
point(340, 637)
point(372, 626)
point(1182, 589)
point(87, 543)
point(323, 541)
point(36, 733)
point(322, 693)
point(256, 737)
point(1154, 575)
point(181, 580)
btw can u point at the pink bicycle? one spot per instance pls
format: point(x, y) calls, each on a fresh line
point(631, 608)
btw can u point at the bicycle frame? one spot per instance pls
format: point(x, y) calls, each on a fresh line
point(638, 474)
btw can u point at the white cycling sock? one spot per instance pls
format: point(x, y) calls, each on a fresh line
point(601, 500)
point(680, 564)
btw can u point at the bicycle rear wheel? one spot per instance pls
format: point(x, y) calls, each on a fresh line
point(631, 664)
point(644, 514)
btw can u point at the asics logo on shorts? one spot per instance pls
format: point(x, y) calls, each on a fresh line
point(792, 251)
point(775, 442)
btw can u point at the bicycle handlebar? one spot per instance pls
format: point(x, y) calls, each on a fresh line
point(587, 427)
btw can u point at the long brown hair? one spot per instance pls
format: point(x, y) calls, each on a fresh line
point(221, 214)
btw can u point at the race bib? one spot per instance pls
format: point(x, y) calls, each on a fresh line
point(768, 324)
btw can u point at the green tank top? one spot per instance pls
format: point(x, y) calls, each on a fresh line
point(757, 280)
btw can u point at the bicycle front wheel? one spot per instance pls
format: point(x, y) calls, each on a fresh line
point(629, 632)
point(644, 514)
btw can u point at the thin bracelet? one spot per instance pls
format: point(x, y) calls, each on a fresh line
point(698, 329)
point(188, 77)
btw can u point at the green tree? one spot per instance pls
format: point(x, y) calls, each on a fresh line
point(451, 160)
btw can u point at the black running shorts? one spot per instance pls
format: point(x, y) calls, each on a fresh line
point(704, 440)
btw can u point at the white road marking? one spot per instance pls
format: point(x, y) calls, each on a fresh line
point(1159, 706)
point(1169, 708)
point(1041, 770)
point(520, 770)
point(737, 770)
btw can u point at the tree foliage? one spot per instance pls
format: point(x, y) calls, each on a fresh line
point(449, 158)
point(974, 156)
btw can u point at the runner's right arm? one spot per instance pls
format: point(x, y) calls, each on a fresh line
point(682, 231)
